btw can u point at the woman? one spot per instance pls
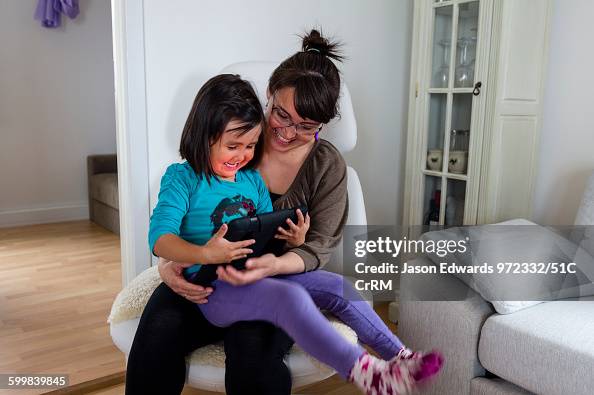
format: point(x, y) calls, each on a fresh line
point(297, 167)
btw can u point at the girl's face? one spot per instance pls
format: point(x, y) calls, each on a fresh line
point(233, 151)
point(281, 112)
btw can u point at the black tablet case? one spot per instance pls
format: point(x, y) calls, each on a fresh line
point(261, 228)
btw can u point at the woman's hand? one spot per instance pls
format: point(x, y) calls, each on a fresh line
point(295, 236)
point(220, 250)
point(256, 269)
point(171, 274)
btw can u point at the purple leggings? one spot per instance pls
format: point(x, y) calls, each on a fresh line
point(292, 302)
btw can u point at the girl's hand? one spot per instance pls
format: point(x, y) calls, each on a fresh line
point(256, 269)
point(220, 250)
point(171, 274)
point(295, 236)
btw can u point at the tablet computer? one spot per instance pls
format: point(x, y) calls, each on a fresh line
point(261, 228)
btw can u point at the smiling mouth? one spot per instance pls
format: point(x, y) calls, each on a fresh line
point(232, 166)
point(280, 138)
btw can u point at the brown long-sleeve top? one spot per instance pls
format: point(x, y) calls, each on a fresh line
point(321, 184)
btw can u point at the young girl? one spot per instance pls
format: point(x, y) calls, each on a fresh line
point(217, 184)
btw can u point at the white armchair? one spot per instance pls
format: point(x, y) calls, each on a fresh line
point(206, 367)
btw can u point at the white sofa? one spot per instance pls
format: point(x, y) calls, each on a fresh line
point(544, 349)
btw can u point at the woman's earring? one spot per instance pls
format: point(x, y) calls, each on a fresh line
point(318, 132)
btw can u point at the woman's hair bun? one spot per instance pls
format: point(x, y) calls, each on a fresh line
point(314, 42)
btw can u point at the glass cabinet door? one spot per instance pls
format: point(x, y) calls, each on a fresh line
point(466, 37)
point(450, 92)
point(442, 45)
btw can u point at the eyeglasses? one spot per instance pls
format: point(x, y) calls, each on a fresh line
point(282, 118)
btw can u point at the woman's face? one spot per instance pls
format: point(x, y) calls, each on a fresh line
point(233, 151)
point(281, 111)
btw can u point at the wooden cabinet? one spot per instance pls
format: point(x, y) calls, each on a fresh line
point(477, 73)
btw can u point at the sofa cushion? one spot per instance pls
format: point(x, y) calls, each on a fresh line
point(547, 349)
point(104, 188)
point(522, 242)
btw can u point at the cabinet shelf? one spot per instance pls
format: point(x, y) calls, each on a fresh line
point(433, 173)
point(443, 3)
point(453, 176)
point(448, 90)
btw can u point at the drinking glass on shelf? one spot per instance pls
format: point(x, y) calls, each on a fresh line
point(464, 75)
point(458, 157)
point(442, 75)
point(459, 139)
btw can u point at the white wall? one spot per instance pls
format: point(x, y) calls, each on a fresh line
point(189, 41)
point(56, 107)
point(567, 139)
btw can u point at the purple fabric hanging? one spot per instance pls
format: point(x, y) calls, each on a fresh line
point(48, 11)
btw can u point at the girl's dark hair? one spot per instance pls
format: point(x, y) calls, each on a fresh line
point(221, 99)
point(314, 76)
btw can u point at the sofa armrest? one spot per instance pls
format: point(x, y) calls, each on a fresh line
point(102, 164)
point(97, 164)
point(450, 326)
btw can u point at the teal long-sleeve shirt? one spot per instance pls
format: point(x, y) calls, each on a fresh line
point(193, 209)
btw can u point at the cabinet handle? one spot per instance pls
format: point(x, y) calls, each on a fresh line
point(477, 88)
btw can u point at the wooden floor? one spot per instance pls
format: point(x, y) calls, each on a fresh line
point(57, 283)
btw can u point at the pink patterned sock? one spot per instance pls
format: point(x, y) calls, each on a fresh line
point(377, 377)
point(431, 364)
point(398, 376)
point(404, 353)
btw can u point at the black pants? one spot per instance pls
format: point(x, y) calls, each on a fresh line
point(171, 327)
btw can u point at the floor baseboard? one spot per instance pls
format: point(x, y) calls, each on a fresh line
point(44, 215)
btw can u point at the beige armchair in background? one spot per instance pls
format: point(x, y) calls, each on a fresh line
point(103, 191)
